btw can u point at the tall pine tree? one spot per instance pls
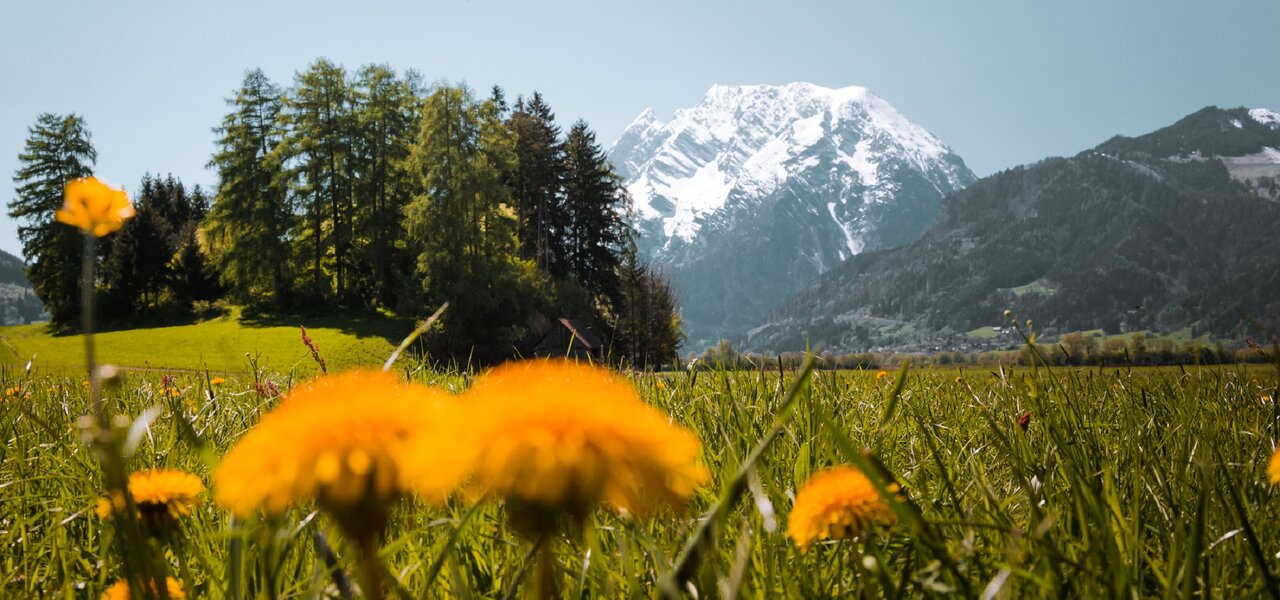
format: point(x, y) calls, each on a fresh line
point(250, 219)
point(58, 149)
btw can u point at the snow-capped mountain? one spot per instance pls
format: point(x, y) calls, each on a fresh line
point(758, 189)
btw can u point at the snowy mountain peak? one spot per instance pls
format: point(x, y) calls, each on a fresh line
point(749, 138)
point(646, 119)
point(1266, 116)
point(756, 189)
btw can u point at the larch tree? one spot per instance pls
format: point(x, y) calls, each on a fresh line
point(463, 227)
point(387, 112)
point(318, 120)
point(247, 230)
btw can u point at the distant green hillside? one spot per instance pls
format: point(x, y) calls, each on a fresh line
point(18, 303)
point(218, 345)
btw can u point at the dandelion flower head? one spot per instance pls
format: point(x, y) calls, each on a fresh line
point(834, 504)
point(338, 439)
point(1273, 469)
point(562, 437)
point(120, 590)
point(158, 494)
point(94, 207)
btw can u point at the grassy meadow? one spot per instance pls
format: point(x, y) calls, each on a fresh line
point(1028, 483)
point(221, 345)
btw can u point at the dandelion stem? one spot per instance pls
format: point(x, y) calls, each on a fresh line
point(86, 327)
point(371, 567)
point(547, 587)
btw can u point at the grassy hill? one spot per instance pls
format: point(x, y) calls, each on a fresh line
point(221, 344)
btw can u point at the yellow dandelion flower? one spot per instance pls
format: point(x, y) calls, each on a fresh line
point(14, 392)
point(161, 496)
point(1273, 469)
point(120, 590)
point(557, 437)
point(959, 379)
point(217, 381)
point(834, 504)
point(94, 207)
point(881, 374)
point(339, 440)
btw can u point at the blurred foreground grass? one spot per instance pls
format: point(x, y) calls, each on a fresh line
point(1139, 483)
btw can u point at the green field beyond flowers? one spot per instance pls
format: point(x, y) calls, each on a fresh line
point(221, 345)
point(1064, 483)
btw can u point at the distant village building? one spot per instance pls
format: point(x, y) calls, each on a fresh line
point(568, 338)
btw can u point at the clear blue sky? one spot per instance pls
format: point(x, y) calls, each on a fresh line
point(1002, 82)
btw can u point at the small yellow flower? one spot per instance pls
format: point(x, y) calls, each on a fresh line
point(881, 374)
point(171, 491)
point(339, 440)
point(959, 379)
point(15, 392)
point(120, 590)
point(835, 504)
point(1273, 470)
point(217, 381)
point(94, 207)
point(558, 437)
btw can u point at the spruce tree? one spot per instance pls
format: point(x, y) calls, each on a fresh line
point(137, 267)
point(536, 184)
point(250, 218)
point(58, 149)
point(140, 270)
point(647, 327)
point(594, 202)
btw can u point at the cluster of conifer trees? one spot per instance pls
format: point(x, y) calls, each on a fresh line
point(369, 190)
